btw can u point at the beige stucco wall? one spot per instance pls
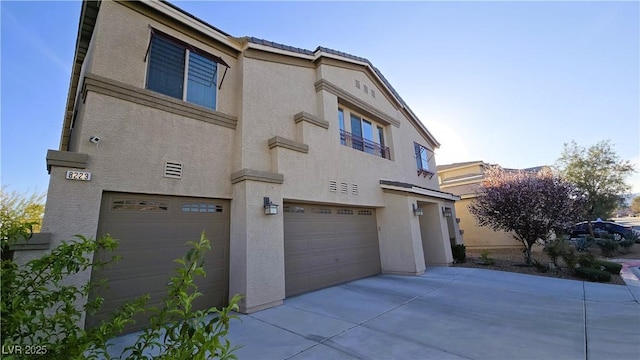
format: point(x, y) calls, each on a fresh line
point(481, 237)
point(257, 247)
point(326, 160)
point(462, 171)
point(435, 235)
point(121, 40)
point(136, 140)
point(399, 236)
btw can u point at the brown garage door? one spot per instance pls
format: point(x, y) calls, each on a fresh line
point(327, 245)
point(152, 232)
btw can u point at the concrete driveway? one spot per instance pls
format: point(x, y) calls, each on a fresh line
point(448, 313)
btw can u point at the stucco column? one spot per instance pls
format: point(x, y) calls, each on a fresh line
point(257, 246)
point(435, 235)
point(65, 221)
point(399, 236)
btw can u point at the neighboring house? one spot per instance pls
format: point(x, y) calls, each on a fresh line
point(464, 179)
point(173, 126)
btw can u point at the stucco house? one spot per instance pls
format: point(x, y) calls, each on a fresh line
point(464, 179)
point(304, 168)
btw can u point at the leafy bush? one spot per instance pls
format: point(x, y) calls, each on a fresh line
point(561, 248)
point(485, 258)
point(40, 308)
point(459, 253)
point(626, 244)
point(592, 274)
point(608, 246)
point(583, 243)
point(185, 333)
point(589, 261)
point(586, 260)
point(608, 266)
point(542, 268)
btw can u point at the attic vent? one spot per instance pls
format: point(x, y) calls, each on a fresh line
point(373, 93)
point(173, 170)
point(344, 188)
point(354, 189)
point(333, 185)
point(366, 89)
point(357, 84)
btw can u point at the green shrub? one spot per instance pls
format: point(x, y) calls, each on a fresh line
point(542, 268)
point(607, 246)
point(626, 244)
point(592, 274)
point(39, 307)
point(485, 258)
point(459, 253)
point(561, 248)
point(608, 266)
point(586, 260)
point(179, 332)
point(583, 243)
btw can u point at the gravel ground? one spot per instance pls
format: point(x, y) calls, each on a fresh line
point(513, 260)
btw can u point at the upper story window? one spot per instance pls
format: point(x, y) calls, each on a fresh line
point(182, 71)
point(362, 134)
point(422, 160)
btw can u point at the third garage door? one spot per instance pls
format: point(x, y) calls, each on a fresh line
point(327, 245)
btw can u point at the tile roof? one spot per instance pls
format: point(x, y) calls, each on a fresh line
point(276, 45)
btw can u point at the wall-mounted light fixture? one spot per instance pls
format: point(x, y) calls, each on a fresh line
point(269, 207)
point(416, 210)
point(446, 212)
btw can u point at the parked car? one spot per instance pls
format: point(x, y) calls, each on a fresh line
point(618, 231)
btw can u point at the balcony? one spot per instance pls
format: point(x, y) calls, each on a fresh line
point(368, 146)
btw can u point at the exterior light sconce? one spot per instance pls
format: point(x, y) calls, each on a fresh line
point(416, 210)
point(446, 212)
point(269, 207)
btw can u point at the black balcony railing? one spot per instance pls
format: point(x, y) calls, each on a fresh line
point(368, 146)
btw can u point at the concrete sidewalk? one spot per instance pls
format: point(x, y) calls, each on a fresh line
point(447, 313)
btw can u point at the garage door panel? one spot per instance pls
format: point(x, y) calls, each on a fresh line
point(149, 241)
point(325, 246)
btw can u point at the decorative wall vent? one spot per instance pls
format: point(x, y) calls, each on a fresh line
point(344, 212)
point(333, 185)
point(357, 84)
point(373, 93)
point(173, 170)
point(344, 188)
point(366, 89)
point(325, 211)
point(354, 189)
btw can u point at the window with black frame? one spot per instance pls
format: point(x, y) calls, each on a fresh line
point(182, 71)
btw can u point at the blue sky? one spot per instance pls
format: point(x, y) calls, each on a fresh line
point(504, 82)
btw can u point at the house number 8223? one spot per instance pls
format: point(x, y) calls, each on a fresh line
point(79, 175)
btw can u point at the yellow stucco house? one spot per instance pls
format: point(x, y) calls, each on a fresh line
point(305, 168)
point(463, 179)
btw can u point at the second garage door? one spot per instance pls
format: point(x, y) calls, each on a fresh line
point(152, 232)
point(326, 245)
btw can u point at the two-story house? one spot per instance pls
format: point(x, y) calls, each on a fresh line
point(304, 168)
point(465, 179)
